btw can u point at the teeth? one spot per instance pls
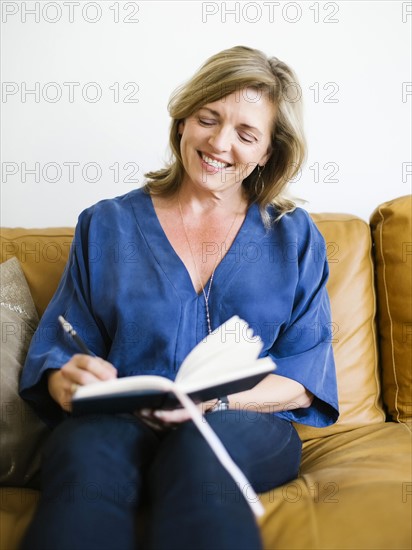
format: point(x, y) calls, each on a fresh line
point(214, 163)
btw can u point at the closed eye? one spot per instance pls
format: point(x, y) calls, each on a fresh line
point(247, 138)
point(206, 121)
point(243, 136)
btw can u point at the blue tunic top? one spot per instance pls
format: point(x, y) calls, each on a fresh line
point(131, 299)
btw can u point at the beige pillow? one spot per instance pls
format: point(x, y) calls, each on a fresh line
point(21, 431)
point(391, 224)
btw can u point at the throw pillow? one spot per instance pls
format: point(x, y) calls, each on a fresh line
point(391, 224)
point(21, 431)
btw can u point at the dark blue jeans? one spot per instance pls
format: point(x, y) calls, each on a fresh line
point(97, 470)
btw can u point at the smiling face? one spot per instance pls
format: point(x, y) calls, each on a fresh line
point(224, 141)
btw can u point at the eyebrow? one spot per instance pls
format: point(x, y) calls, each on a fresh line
point(243, 125)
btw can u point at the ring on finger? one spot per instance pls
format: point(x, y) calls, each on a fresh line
point(73, 388)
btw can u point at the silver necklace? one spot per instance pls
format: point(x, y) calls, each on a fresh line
point(206, 293)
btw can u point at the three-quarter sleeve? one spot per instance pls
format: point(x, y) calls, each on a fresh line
point(303, 349)
point(51, 347)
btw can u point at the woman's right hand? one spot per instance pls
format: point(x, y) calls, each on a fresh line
point(78, 371)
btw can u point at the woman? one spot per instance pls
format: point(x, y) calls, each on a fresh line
point(149, 275)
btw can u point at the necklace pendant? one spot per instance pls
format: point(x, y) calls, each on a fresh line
point(209, 324)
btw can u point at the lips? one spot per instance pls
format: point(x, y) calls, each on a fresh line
point(214, 163)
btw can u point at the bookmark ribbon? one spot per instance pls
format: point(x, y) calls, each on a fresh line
point(221, 453)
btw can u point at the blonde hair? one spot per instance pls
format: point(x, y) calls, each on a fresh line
point(231, 71)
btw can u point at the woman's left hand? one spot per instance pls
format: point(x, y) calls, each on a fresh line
point(163, 419)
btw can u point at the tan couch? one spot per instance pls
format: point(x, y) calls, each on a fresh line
point(355, 486)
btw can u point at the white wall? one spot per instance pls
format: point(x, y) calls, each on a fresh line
point(352, 58)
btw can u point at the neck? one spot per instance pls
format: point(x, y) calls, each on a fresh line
point(205, 202)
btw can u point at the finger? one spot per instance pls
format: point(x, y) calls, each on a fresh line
point(108, 371)
point(67, 402)
point(90, 369)
point(102, 369)
point(66, 399)
point(176, 416)
point(73, 388)
point(75, 375)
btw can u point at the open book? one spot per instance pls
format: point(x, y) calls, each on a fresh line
point(225, 362)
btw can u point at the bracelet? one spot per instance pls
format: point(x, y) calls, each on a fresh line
point(221, 405)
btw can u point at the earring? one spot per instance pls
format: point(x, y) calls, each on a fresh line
point(259, 181)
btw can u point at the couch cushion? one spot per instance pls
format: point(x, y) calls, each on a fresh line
point(352, 296)
point(354, 492)
point(21, 431)
point(391, 226)
point(42, 253)
point(17, 507)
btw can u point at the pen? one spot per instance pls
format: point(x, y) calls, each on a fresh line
point(76, 338)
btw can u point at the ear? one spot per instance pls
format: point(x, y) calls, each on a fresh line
point(181, 127)
point(263, 160)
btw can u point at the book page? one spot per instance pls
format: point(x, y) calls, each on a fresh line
point(230, 352)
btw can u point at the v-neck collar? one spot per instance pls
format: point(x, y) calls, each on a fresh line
point(251, 231)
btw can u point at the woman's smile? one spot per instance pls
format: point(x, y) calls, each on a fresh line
point(211, 163)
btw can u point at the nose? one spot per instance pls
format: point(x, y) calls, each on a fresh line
point(220, 139)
